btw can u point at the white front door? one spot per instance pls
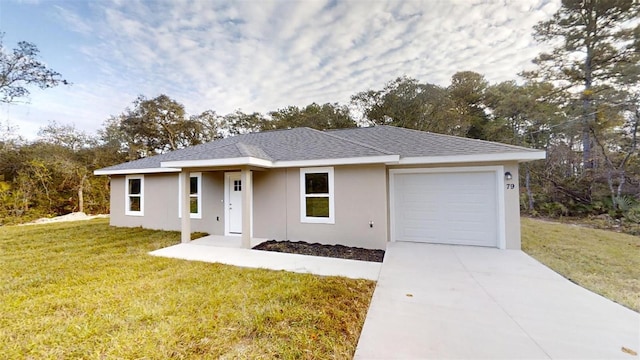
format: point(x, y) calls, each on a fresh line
point(233, 203)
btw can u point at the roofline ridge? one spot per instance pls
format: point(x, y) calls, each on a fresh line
point(461, 137)
point(355, 142)
point(231, 143)
point(244, 150)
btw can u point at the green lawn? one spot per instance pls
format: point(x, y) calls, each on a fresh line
point(604, 262)
point(87, 290)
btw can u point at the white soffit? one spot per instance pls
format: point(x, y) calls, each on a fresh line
point(344, 161)
point(136, 171)
point(217, 162)
point(519, 156)
point(280, 164)
point(176, 166)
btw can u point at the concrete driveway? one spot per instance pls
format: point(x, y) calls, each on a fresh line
point(440, 301)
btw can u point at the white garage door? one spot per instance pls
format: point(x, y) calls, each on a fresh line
point(446, 208)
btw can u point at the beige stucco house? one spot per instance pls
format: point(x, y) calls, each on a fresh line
point(358, 187)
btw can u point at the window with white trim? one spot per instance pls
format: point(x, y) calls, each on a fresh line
point(195, 196)
point(316, 195)
point(134, 195)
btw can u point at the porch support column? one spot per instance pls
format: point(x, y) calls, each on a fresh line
point(247, 207)
point(185, 223)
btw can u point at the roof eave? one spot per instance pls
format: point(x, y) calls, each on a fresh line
point(176, 166)
point(475, 158)
point(252, 161)
point(382, 159)
point(240, 161)
point(134, 171)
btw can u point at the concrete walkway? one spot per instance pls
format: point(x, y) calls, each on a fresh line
point(444, 302)
point(226, 250)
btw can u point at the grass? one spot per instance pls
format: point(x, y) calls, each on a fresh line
point(605, 262)
point(87, 290)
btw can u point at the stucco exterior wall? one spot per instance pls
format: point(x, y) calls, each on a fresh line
point(360, 198)
point(269, 204)
point(512, 208)
point(161, 203)
point(360, 195)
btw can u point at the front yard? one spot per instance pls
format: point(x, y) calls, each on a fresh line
point(605, 262)
point(86, 290)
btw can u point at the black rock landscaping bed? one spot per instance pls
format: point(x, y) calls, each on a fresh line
point(335, 251)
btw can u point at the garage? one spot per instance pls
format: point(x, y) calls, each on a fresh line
point(457, 206)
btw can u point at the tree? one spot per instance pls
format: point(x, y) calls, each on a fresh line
point(320, 117)
point(64, 135)
point(10, 143)
point(526, 115)
point(616, 134)
point(157, 123)
point(467, 93)
point(405, 102)
point(9, 136)
point(21, 68)
point(72, 169)
point(213, 126)
point(152, 126)
point(238, 122)
point(596, 36)
point(112, 138)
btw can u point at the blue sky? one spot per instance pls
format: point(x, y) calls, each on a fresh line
point(256, 55)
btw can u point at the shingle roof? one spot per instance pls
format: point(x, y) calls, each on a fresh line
point(410, 143)
point(302, 144)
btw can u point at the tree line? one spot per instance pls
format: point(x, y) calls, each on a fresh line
point(581, 104)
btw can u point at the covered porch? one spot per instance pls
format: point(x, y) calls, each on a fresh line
point(236, 248)
point(237, 205)
point(229, 250)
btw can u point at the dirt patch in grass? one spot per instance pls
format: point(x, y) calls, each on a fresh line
point(75, 216)
point(315, 249)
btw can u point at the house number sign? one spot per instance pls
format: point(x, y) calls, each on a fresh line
point(511, 186)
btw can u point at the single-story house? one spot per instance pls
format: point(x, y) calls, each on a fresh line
point(357, 187)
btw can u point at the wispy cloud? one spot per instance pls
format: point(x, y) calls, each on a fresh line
point(73, 20)
point(259, 56)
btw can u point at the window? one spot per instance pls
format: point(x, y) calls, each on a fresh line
point(195, 196)
point(316, 195)
point(134, 195)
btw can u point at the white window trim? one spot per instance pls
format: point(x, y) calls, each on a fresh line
point(303, 196)
point(128, 211)
point(197, 215)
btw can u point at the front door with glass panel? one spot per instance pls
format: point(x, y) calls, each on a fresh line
point(233, 203)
